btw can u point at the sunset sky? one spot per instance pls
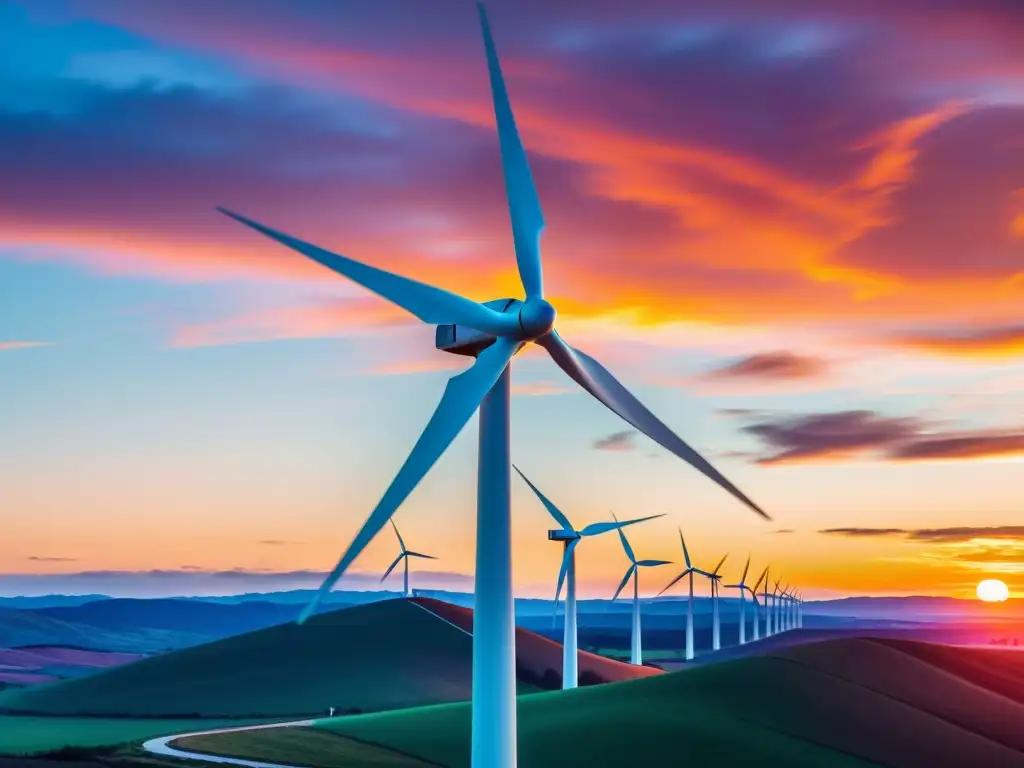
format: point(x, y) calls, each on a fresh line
point(794, 229)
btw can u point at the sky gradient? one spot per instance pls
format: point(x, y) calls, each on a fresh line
point(794, 229)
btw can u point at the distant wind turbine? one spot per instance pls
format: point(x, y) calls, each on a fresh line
point(636, 654)
point(570, 538)
point(404, 556)
point(776, 621)
point(689, 571)
point(757, 607)
point(716, 635)
point(743, 589)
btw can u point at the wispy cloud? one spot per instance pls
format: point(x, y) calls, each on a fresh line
point(540, 389)
point(42, 559)
point(771, 366)
point(11, 345)
point(617, 441)
point(991, 342)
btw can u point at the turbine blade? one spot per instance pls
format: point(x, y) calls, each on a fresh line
point(674, 581)
point(523, 201)
point(625, 542)
point(461, 398)
point(652, 563)
point(420, 554)
point(763, 575)
point(625, 581)
point(596, 528)
point(554, 511)
point(400, 542)
point(392, 566)
point(686, 552)
point(430, 304)
point(564, 569)
point(717, 567)
point(600, 383)
point(746, 568)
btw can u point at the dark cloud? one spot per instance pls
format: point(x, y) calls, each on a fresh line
point(783, 531)
point(863, 532)
point(934, 535)
point(782, 365)
point(41, 559)
point(831, 436)
point(617, 441)
point(967, 533)
point(819, 436)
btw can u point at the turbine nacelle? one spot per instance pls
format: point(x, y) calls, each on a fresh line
point(533, 319)
point(559, 534)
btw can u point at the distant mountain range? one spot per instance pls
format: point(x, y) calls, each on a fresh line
point(133, 625)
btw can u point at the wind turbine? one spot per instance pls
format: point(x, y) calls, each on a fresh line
point(689, 571)
point(767, 608)
point(404, 556)
point(635, 656)
point(492, 332)
point(776, 609)
point(742, 587)
point(716, 637)
point(753, 596)
point(571, 538)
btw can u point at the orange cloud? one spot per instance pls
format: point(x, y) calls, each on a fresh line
point(9, 345)
point(986, 342)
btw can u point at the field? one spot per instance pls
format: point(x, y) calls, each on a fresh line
point(359, 658)
point(835, 703)
point(24, 735)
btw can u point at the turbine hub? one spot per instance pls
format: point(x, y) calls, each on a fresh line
point(536, 317)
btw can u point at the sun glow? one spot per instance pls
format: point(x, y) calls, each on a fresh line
point(993, 591)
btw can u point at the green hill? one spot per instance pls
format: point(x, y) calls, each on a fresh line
point(837, 703)
point(380, 656)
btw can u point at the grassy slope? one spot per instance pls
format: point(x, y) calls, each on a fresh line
point(850, 702)
point(372, 657)
point(302, 746)
point(357, 658)
point(25, 735)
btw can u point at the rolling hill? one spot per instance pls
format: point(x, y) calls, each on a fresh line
point(847, 702)
point(21, 628)
point(378, 656)
point(197, 617)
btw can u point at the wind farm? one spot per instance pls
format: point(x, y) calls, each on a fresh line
point(221, 592)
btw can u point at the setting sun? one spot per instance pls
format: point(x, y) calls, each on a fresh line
point(993, 591)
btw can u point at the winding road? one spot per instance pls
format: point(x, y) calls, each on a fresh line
point(161, 745)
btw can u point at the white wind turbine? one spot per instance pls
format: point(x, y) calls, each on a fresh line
point(571, 538)
point(767, 607)
point(404, 556)
point(688, 571)
point(636, 653)
point(492, 332)
point(777, 613)
point(743, 589)
point(716, 635)
point(753, 596)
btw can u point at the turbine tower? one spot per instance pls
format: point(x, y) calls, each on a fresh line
point(742, 587)
point(767, 608)
point(404, 556)
point(689, 571)
point(570, 539)
point(636, 654)
point(492, 332)
point(776, 621)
